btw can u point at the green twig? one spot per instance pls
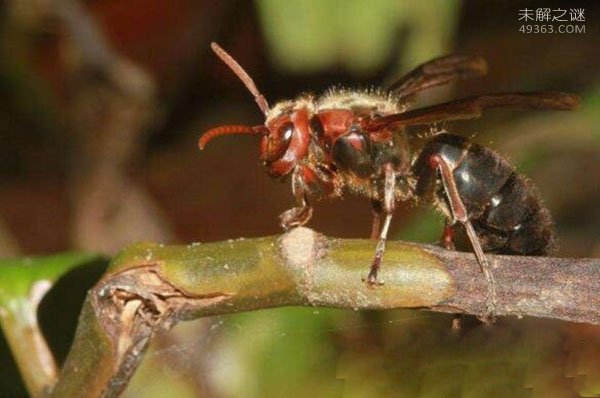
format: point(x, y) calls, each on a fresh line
point(31, 353)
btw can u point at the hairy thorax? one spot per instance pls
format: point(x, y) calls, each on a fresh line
point(357, 174)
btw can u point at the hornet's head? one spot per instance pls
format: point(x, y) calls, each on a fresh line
point(285, 136)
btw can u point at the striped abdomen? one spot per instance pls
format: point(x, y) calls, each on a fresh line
point(503, 206)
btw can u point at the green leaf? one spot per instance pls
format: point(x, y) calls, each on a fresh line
point(23, 284)
point(310, 35)
point(18, 275)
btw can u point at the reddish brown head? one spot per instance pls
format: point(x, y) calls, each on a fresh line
point(285, 135)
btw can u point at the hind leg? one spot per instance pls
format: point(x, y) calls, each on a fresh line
point(447, 238)
point(459, 214)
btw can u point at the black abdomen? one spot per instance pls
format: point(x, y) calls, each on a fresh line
point(503, 206)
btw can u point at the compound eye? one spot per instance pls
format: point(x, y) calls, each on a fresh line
point(278, 143)
point(285, 132)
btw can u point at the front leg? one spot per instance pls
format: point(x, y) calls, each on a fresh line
point(302, 213)
point(296, 216)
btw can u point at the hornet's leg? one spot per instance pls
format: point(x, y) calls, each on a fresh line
point(377, 213)
point(300, 215)
point(459, 213)
point(387, 210)
point(447, 239)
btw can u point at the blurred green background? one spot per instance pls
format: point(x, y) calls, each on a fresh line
point(102, 103)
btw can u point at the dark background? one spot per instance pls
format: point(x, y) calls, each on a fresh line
point(101, 106)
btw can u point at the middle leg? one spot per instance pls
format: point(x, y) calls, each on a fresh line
point(387, 209)
point(377, 211)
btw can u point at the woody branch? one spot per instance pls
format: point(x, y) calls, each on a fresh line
point(151, 287)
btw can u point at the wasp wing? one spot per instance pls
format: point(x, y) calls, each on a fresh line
point(437, 72)
point(472, 107)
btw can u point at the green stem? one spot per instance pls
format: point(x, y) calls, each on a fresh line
point(30, 351)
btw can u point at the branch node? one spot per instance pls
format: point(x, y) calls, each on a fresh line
point(300, 248)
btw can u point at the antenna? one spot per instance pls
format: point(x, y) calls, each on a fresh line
point(229, 129)
point(244, 77)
